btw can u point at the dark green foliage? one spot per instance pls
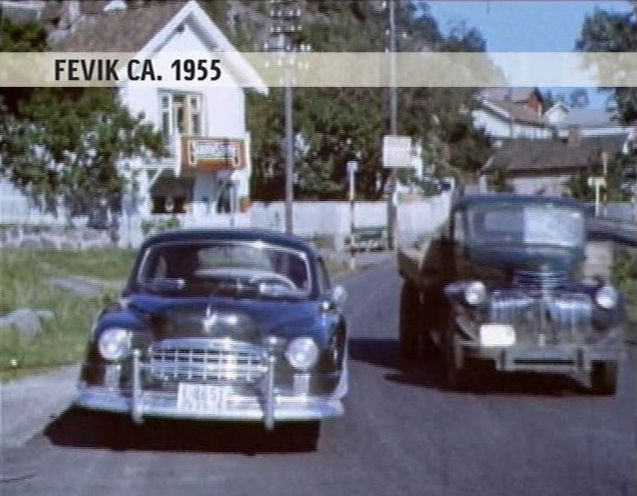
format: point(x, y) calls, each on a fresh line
point(62, 145)
point(341, 124)
point(21, 37)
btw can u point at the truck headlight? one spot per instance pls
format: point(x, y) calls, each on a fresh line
point(606, 297)
point(114, 344)
point(475, 293)
point(302, 353)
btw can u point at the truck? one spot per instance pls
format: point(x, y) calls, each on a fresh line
point(501, 282)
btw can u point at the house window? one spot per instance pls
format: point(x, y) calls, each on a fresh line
point(181, 112)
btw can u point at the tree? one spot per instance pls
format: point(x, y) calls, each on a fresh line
point(339, 124)
point(63, 146)
point(613, 32)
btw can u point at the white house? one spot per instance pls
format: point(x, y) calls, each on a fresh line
point(205, 180)
point(588, 122)
point(206, 177)
point(509, 113)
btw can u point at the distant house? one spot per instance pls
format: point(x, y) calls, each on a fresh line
point(588, 121)
point(546, 166)
point(512, 113)
point(206, 177)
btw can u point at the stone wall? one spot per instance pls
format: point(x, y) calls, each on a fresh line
point(55, 237)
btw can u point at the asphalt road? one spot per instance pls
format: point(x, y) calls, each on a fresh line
point(402, 435)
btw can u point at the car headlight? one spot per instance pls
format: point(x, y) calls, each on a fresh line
point(302, 353)
point(475, 293)
point(606, 297)
point(114, 344)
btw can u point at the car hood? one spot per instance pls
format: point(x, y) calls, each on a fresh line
point(244, 320)
point(539, 258)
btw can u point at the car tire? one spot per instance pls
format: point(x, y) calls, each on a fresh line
point(409, 339)
point(604, 378)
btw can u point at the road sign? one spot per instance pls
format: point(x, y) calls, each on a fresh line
point(397, 151)
point(352, 167)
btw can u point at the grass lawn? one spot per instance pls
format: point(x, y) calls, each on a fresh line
point(23, 284)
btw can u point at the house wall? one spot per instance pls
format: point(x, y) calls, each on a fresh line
point(501, 128)
point(547, 185)
point(223, 116)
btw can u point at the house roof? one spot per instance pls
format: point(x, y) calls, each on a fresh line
point(520, 112)
point(535, 156)
point(147, 28)
point(588, 118)
point(118, 30)
point(510, 94)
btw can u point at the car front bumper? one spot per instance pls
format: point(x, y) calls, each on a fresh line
point(264, 403)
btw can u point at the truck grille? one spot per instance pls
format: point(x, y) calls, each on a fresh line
point(540, 281)
point(560, 317)
point(206, 360)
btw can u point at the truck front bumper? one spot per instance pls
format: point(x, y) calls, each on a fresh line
point(547, 358)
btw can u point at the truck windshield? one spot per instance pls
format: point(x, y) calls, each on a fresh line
point(511, 223)
point(234, 268)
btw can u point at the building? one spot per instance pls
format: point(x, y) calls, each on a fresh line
point(512, 113)
point(546, 166)
point(205, 179)
point(587, 121)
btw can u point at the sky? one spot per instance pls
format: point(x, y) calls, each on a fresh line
point(525, 26)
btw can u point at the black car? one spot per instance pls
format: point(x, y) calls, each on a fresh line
point(221, 325)
point(502, 283)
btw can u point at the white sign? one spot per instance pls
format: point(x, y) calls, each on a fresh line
point(397, 151)
point(352, 167)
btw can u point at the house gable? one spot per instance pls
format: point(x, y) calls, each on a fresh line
point(152, 29)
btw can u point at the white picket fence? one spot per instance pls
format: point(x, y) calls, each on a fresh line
point(327, 219)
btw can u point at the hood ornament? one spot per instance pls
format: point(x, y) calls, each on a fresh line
point(210, 319)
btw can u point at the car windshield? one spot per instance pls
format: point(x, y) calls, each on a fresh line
point(512, 223)
point(241, 269)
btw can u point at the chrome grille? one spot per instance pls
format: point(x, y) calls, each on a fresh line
point(559, 317)
point(540, 281)
point(510, 307)
point(570, 312)
point(206, 360)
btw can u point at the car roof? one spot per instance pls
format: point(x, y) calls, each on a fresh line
point(485, 199)
point(273, 237)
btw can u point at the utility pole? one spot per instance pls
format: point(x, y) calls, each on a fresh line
point(285, 29)
point(393, 124)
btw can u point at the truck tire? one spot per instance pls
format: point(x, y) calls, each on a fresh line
point(409, 338)
point(455, 374)
point(604, 378)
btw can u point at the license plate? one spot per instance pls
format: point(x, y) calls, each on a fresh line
point(202, 398)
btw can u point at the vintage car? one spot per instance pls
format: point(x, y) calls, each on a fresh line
point(237, 325)
point(502, 283)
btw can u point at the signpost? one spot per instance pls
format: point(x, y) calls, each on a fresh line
point(352, 169)
point(597, 182)
point(397, 153)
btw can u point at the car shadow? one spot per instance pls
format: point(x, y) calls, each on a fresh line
point(484, 379)
point(81, 428)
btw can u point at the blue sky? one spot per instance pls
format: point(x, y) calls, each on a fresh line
point(525, 26)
